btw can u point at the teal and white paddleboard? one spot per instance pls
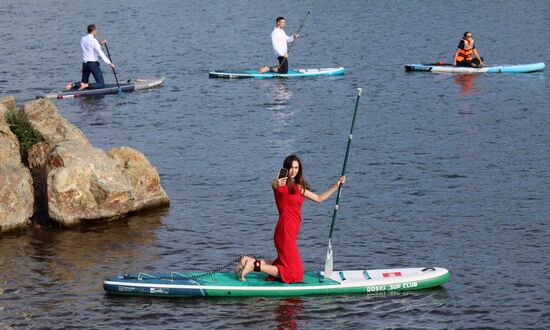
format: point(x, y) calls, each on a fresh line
point(256, 285)
point(448, 68)
point(235, 74)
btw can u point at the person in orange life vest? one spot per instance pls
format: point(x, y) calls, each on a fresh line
point(289, 192)
point(466, 48)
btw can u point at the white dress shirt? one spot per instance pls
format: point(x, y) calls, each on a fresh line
point(91, 48)
point(279, 40)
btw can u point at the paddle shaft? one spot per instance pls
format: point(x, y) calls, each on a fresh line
point(114, 72)
point(329, 260)
point(297, 32)
point(337, 204)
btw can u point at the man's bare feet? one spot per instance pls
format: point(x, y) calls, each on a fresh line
point(83, 86)
point(69, 86)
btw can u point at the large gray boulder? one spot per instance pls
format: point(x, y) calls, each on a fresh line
point(142, 176)
point(86, 183)
point(76, 182)
point(42, 114)
point(16, 197)
point(8, 102)
point(16, 190)
point(9, 145)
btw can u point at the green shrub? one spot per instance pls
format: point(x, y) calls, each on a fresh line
point(26, 135)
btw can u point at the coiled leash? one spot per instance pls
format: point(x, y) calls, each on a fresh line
point(175, 276)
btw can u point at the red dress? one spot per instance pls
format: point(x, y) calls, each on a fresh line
point(288, 261)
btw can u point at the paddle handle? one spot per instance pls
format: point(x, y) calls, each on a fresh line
point(302, 25)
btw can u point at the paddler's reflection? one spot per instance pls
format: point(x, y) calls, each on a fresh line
point(93, 104)
point(288, 314)
point(281, 94)
point(466, 82)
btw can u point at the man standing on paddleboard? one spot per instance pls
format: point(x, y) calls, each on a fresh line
point(91, 48)
point(279, 41)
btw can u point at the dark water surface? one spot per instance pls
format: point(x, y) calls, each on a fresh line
point(445, 170)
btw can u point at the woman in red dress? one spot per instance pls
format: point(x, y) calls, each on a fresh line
point(290, 192)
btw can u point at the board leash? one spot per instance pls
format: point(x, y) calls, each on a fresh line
point(174, 276)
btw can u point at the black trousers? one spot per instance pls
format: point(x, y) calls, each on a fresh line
point(473, 63)
point(92, 68)
point(283, 64)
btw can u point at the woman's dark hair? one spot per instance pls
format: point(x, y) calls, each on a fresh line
point(465, 34)
point(299, 178)
point(91, 28)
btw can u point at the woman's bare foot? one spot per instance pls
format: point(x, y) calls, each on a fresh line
point(238, 270)
point(240, 265)
point(69, 86)
point(83, 86)
point(263, 69)
point(248, 267)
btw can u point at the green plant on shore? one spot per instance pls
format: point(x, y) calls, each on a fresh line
point(26, 135)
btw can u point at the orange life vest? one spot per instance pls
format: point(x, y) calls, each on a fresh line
point(464, 54)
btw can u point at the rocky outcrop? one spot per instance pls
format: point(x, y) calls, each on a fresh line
point(16, 190)
point(8, 102)
point(84, 183)
point(142, 176)
point(73, 181)
point(9, 145)
point(16, 198)
point(42, 114)
point(37, 156)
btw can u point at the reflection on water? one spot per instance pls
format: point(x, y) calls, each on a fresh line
point(74, 260)
point(467, 88)
point(466, 181)
point(466, 82)
point(278, 106)
point(281, 95)
point(288, 314)
point(93, 104)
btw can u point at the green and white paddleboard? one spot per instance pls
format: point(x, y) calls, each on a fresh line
point(227, 285)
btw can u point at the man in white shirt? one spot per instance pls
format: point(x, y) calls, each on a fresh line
point(91, 48)
point(279, 41)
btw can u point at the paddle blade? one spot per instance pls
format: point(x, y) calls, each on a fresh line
point(328, 262)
